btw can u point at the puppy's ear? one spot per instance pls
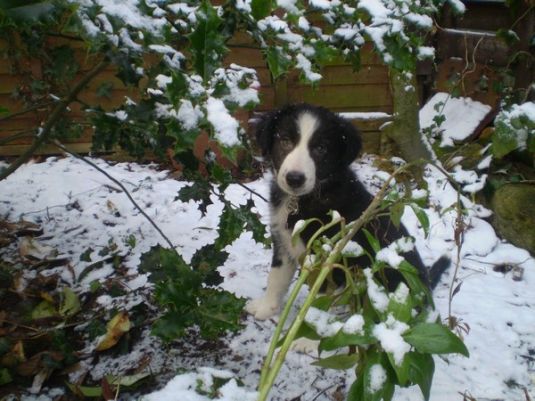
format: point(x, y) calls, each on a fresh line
point(264, 132)
point(351, 140)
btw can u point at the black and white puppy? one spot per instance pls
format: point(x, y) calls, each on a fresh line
point(310, 150)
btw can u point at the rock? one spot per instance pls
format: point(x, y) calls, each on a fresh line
point(514, 214)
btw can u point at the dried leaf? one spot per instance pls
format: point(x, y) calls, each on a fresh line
point(30, 248)
point(115, 329)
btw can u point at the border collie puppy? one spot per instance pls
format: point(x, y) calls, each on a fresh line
point(310, 150)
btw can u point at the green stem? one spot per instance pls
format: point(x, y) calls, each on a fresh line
point(303, 276)
point(269, 373)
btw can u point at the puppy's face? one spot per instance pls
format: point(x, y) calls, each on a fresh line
point(306, 145)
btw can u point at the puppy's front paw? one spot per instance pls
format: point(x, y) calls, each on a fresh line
point(262, 308)
point(305, 346)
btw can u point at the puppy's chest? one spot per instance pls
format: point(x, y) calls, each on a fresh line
point(289, 212)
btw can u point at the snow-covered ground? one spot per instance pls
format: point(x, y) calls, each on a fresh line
point(79, 208)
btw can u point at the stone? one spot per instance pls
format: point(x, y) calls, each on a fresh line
point(514, 214)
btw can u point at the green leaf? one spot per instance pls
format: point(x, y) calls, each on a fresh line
point(44, 310)
point(422, 217)
point(401, 370)
point(85, 391)
point(435, 338)
point(128, 380)
point(5, 376)
point(261, 8)
point(508, 36)
point(342, 339)
point(163, 264)
point(70, 303)
point(421, 371)
point(374, 242)
point(504, 139)
point(199, 191)
point(277, 61)
point(386, 391)
point(234, 221)
point(396, 212)
point(207, 41)
point(206, 261)
point(340, 362)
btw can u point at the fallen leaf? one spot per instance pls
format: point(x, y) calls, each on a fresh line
point(70, 303)
point(115, 329)
point(30, 248)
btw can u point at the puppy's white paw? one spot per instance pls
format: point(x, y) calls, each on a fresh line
point(262, 308)
point(305, 346)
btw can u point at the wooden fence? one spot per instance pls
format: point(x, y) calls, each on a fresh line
point(341, 90)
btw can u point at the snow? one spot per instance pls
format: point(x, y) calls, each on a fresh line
point(226, 127)
point(462, 116)
point(389, 335)
point(67, 195)
point(377, 378)
point(354, 325)
point(323, 322)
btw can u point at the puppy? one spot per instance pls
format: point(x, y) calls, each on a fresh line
point(310, 150)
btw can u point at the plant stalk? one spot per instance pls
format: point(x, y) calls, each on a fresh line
point(269, 373)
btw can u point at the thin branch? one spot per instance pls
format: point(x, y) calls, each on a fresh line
point(118, 183)
point(252, 191)
point(13, 137)
point(55, 115)
point(28, 110)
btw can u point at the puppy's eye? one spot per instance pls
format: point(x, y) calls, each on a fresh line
point(286, 143)
point(320, 149)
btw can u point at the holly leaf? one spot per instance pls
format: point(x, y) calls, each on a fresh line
point(261, 8)
point(199, 191)
point(206, 261)
point(277, 62)
point(207, 41)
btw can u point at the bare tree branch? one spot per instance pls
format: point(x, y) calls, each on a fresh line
point(45, 131)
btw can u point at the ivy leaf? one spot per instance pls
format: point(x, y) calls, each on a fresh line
point(435, 338)
point(340, 362)
point(200, 192)
point(207, 41)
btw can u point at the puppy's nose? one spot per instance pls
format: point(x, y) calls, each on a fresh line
point(295, 179)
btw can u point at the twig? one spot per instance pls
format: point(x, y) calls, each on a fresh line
point(44, 132)
point(252, 191)
point(118, 183)
point(28, 110)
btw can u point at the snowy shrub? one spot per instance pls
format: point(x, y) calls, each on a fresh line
point(514, 129)
point(389, 338)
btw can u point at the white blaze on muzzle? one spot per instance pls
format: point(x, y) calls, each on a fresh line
point(297, 173)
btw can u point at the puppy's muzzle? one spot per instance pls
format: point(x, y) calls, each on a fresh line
point(295, 179)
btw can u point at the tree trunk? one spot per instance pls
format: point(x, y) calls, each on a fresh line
point(405, 130)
